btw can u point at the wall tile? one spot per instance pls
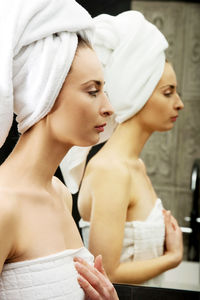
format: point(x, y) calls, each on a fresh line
point(169, 156)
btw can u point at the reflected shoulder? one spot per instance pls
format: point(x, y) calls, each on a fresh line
point(63, 191)
point(107, 172)
point(106, 164)
point(137, 166)
point(142, 164)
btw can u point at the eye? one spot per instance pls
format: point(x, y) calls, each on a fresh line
point(168, 94)
point(93, 93)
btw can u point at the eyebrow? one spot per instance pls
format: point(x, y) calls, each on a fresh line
point(171, 86)
point(96, 82)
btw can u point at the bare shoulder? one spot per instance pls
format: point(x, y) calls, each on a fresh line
point(8, 205)
point(9, 217)
point(105, 175)
point(142, 164)
point(108, 182)
point(63, 191)
point(108, 166)
point(137, 166)
point(61, 187)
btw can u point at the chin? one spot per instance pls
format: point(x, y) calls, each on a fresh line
point(88, 142)
point(167, 128)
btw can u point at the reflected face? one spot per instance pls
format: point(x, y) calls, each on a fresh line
point(162, 108)
point(82, 108)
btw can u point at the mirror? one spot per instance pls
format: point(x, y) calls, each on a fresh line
point(173, 153)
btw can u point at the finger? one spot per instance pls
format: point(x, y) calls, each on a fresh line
point(80, 260)
point(167, 216)
point(90, 292)
point(92, 269)
point(92, 276)
point(174, 221)
point(98, 264)
point(83, 262)
point(96, 279)
point(177, 227)
point(169, 227)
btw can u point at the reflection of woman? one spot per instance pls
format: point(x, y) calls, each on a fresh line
point(38, 237)
point(122, 217)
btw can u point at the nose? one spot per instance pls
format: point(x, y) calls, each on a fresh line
point(179, 104)
point(106, 109)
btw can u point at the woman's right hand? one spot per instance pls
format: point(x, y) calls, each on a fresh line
point(173, 239)
point(94, 281)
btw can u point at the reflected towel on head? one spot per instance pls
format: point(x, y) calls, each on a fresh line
point(38, 44)
point(131, 50)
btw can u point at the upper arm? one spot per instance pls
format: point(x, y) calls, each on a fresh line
point(110, 199)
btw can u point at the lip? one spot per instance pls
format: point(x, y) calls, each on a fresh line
point(100, 128)
point(174, 118)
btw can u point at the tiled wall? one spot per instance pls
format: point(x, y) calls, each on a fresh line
point(169, 156)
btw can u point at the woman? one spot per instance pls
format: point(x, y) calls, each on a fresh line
point(55, 72)
point(121, 213)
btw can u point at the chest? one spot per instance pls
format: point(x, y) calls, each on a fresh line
point(45, 228)
point(142, 197)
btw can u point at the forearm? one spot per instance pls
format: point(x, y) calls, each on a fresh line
point(140, 271)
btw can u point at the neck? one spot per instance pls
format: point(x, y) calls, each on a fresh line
point(36, 156)
point(129, 138)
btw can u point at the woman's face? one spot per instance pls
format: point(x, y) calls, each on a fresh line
point(162, 109)
point(82, 108)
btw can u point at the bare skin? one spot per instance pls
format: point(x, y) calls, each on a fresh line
point(35, 207)
point(95, 280)
point(116, 188)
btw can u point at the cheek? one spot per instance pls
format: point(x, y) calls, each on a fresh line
point(153, 113)
point(152, 110)
point(89, 111)
point(158, 107)
point(75, 112)
point(82, 117)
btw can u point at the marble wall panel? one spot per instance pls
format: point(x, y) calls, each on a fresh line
point(189, 142)
point(191, 73)
point(169, 156)
point(169, 17)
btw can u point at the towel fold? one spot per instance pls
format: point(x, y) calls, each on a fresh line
point(38, 44)
point(131, 50)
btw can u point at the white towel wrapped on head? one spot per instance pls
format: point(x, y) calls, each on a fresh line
point(131, 50)
point(38, 44)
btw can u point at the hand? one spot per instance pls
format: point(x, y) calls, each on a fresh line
point(173, 238)
point(94, 280)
